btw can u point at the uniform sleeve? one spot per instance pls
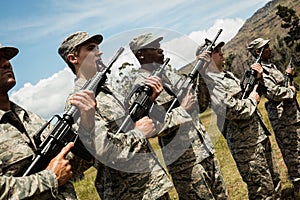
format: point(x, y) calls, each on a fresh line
point(29, 186)
point(239, 109)
point(226, 101)
point(275, 90)
point(110, 147)
point(175, 118)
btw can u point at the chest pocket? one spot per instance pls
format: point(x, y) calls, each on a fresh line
point(15, 153)
point(110, 110)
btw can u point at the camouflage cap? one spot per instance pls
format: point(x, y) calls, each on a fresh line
point(74, 40)
point(257, 44)
point(8, 52)
point(203, 46)
point(143, 41)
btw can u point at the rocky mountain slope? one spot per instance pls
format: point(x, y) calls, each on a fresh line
point(263, 23)
point(266, 24)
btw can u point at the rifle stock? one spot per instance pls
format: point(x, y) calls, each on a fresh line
point(62, 132)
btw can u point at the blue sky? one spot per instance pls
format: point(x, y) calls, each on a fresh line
point(37, 28)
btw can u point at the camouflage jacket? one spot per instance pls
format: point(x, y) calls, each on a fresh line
point(127, 169)
point(239, 120)
point(182, 137)
point(16, 152)
point(282, 105)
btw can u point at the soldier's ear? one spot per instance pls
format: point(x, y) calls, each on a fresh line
point(257, 51)
point(72, 58)
point(140, 55)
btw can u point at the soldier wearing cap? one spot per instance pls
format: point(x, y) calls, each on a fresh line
point(187, 149)
point(283, 110)
point(241, 124)
point(17, 146)
point(126, 169)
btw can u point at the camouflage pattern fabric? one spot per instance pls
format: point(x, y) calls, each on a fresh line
point(185, 143)
point(16, 152)
point(115, 184)
point(284, 115)
point(125, 168)
point(202, 181)
point(246, 135)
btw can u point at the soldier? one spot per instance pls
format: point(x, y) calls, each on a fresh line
point(241, 124)
point(125, 169)
point(186, 146)
point(17, 145)
point(283, 110)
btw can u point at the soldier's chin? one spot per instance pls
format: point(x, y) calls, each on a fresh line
point(12, 82)
point(162, 60)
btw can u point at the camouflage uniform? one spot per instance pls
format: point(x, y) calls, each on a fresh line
point(16, 153)
point(246, 134)
point(125, 168)
point(187, 149)
point(284, 116)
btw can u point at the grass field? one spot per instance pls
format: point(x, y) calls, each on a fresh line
point(236, 187)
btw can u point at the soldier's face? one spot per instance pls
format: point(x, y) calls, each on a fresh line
point(153, 54)
point(267, 52)
point(218, 57)
point(87, 57)
point(7, 77)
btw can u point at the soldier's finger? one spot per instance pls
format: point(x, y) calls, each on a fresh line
point(255, 87)
point(65, 150)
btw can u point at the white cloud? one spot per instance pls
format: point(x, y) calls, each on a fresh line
point(48, 96)
point(230, 29)
point(184, 47)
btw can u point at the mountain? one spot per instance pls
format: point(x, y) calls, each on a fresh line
point(266, 24)
point(263, 23)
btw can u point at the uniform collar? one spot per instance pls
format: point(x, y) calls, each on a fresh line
point(18, 110)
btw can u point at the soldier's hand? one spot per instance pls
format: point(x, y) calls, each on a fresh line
point(255, 95)
point(85, 101)
point(189, 100)
point(61, 166)
point(258, 68)
point(290, 71)
point(206, 57)
point(293, 87)
point(146, 126)
point(155, 83)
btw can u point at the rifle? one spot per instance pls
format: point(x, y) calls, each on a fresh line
point(192, 76)
point(141, 107)
point(142, 103)
point(252, 80)
point(62, 132)
point(289, 79)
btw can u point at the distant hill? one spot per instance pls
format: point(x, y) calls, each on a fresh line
point(263, 23)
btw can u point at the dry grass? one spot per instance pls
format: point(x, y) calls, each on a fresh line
point(236, 187)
